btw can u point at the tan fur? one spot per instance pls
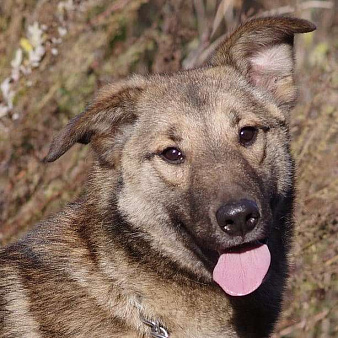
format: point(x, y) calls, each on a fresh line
point(140, 243)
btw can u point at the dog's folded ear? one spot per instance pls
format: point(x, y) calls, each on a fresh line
point(262, 50)
point(113, 106)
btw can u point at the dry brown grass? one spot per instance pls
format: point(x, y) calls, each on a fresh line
point(106, 40)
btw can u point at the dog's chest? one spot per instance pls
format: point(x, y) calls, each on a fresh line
point(189, 312)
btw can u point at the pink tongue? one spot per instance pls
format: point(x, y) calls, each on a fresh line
point(240, 273)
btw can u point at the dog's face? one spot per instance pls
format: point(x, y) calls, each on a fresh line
point(198, 160)
point(204, 141)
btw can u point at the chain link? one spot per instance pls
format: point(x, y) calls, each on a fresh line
point(157, 331)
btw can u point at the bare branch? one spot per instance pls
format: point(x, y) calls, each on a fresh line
point(223, 7)
point(201, 18)
point(302, 6)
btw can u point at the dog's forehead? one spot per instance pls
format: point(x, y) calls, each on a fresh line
point(195, 89)
point(206, 95)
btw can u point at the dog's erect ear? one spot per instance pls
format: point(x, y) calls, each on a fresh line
point(262, 50)
point(113, 106)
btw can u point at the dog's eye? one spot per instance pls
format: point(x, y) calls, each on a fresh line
point(247, 136)
point(172, 155)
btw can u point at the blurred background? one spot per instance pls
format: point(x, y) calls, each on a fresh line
point(55, 54)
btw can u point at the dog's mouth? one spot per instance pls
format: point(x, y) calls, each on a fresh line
point(241, 269)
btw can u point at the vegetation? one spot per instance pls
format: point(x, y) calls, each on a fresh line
point(55, 54)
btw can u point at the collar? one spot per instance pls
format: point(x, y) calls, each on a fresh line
point(156, 329)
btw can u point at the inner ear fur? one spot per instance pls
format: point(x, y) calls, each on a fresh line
point(114, 105)
point(262, 50)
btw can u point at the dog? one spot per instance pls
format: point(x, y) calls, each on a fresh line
point(186, 222)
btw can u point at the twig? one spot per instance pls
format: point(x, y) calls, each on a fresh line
point(314, 319)
point(202, 53)
point(201, 19)
point(331, 260)
point(316, 4)
point(302, 6)
point(120, 4)
point(223, 8)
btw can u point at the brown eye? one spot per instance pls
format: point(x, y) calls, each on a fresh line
point(247, 136)
point(172, 155)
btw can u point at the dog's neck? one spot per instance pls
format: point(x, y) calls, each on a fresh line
point(141, 287)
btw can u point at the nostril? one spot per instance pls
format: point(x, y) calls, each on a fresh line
point(229, 226)
point(251, 222)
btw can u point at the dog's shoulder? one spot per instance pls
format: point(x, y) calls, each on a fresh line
point(48, 243)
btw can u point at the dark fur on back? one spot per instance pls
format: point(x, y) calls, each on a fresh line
point(143, 240)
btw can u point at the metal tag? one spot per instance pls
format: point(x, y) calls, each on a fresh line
point(157, 331)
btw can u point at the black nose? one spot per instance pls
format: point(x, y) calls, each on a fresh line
point(238, 218)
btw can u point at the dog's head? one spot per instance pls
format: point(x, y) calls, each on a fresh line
point(199, 160)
